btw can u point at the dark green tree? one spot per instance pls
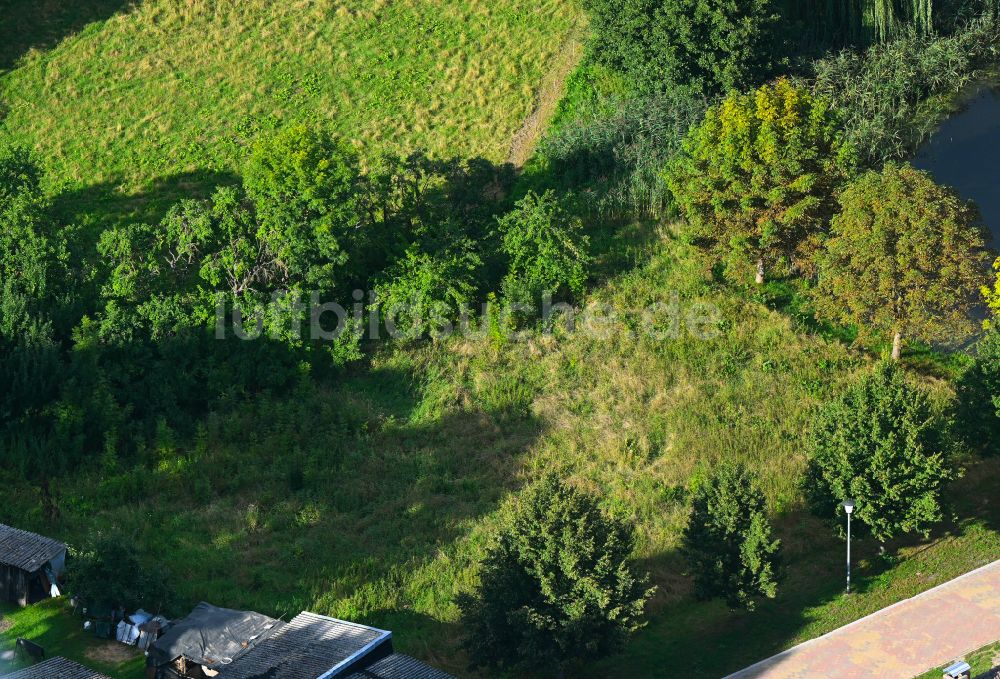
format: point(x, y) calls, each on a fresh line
point(881, 445)
point(557, 587)
point(978, 391)
point(728, 541)
point(109, 575)
point(706, 46)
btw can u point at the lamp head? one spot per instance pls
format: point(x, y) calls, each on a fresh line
point(848, 506)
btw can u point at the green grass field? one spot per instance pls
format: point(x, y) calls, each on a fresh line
point(163, 95)
point(373, 498)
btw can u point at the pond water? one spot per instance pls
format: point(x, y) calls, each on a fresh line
point(965, 154)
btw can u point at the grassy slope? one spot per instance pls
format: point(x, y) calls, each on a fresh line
point(372, 498)
point(173, 88)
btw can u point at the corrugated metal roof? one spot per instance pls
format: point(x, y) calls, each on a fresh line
point(397, 666)
point(56, 668)
point(27, 551)
point(308, 647)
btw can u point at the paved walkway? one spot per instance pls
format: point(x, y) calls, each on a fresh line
point(902, 640)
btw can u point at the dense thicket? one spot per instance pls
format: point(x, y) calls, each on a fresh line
point(893, 96)
point(703, 46)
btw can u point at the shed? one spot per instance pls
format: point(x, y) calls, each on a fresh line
point(210, 638)
point(30, 566)
point(312, 646)
point(398, 666)
point(56, 668)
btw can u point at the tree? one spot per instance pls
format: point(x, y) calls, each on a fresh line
point(728, 541)
point(557, 586)
point(705, 46)
point(978, 396)
point(906, 258)
point(110, 576)
point(547, 250)
point(303, 184)
point(758, 177)
point(423, 292)
point(881, 445)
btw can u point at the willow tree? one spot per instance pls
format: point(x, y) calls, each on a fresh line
point(758, 178)
point(906, 258)
point(860, 22)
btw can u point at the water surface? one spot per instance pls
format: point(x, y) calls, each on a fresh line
point(965, 154)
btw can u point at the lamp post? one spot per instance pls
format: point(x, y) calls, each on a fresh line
point(848, 506)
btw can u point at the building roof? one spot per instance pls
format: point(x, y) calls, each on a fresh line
point(212, 636)
point(56, 668)
point(308, 647)
point(27, 551)
point(397, 666)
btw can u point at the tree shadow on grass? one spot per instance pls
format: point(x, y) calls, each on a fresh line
point(104, 204)
point(42, 24)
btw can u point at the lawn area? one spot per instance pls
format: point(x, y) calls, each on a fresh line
point(162, 95)
point(52, 625)
point(981, 660)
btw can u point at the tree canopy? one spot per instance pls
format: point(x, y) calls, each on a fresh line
point(728, 541)
point(557, 586)
point(759, 176)
point(881, 445)
point(906, 258)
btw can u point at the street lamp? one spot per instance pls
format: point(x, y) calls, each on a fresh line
point(848, 506)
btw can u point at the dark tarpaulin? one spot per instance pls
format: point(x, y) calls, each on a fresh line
point(212, 636)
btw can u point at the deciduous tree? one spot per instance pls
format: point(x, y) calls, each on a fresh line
point(881, 445)
point(906, 258)
point(759, 176)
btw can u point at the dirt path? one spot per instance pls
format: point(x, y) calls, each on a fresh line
point(549, 94)
point(902, 640)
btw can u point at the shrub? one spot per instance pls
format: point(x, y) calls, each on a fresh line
point(906, 257)
point(110, 576)
point(881, 445)
point(728, 541)
point(546, 248)
point(557, 587)
point(705, 46)
point(759, 176)
point(423, 293)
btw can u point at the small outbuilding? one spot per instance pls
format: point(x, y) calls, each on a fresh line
point(56, 668)
point(206, 641)
point(313, 646)
point(30, 566)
